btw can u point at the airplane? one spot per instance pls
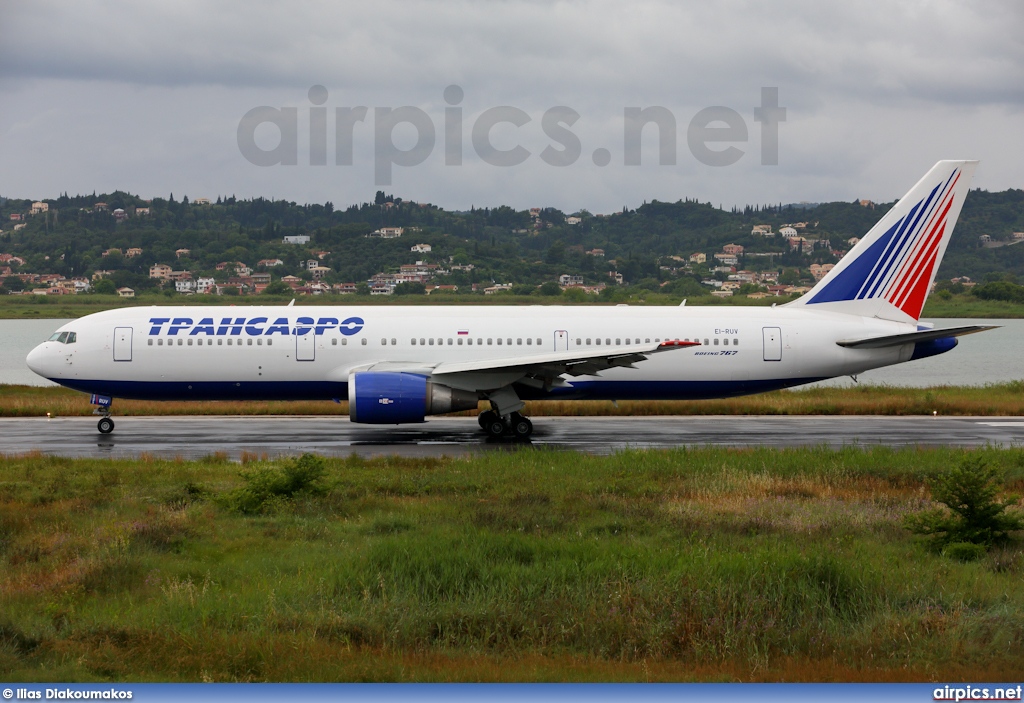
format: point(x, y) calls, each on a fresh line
point(400, 364)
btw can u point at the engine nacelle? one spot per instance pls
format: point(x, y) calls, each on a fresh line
point(393, 398)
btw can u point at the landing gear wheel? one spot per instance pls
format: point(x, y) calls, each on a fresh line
point(495, 427)
point(521, 426)
point(105, 425)
point(486, 417)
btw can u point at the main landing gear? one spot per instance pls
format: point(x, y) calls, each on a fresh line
point(514, 424)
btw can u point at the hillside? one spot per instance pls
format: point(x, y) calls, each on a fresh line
point(71, 237)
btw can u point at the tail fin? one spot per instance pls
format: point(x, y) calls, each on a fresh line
point(889, 272)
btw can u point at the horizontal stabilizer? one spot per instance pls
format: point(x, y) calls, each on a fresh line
point(896, 340)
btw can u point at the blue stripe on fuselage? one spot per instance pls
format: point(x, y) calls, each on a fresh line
point(327, 390)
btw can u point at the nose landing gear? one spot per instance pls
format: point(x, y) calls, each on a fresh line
point(102, 403)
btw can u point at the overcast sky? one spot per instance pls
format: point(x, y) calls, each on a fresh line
point(148, 97)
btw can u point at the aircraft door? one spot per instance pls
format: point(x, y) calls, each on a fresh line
point(122, 344)
point(305, 344)
point(561, 340)
point(772, 343)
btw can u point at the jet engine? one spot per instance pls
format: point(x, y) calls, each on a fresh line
point(392, 398)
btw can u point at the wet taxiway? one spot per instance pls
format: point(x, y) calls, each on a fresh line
point(192, 437)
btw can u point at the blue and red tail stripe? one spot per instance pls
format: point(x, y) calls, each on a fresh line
point(898, 265)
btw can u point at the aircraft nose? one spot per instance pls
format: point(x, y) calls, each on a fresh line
point(38, 359)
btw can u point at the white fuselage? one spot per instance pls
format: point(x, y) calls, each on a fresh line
point(278, 352)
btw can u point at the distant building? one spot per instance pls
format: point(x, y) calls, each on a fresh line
point(141, 211)
point(17, 217)
point(100, 207)
point(20, 226)
point(698, 258)
point(866, 203)
point(201, 201)
point(727, 259)
point(567, 280)
point(573, 220)
point(120, 215)
point(133, 252)
point(296, 239)
point(126, 292)
point(788, 231)
point(762, 231)
point(112, 250)
point(160, 271)
point(388, 232)
point(596, 252)
point(178, 253)
point(420, 248)
point(734, 249)
point(38, 208)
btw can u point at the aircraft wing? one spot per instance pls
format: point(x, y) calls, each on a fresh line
point(574, 363)
point(896, 340)
point(540, 370)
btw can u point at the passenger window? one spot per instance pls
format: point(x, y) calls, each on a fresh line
point(499, 341)
point(449, 341)
point(364, 341)
point(334, 342)
point(647, 340)
point(480, 341)
point(519, 342)
point(716, 341)
point(190, 341)
point(383, 342)
point(509, 341)
point(538, 341)
point(588, 341)
point(394, 341)
point(725, 341)
point(578, 341)
point(220, 342)
point(529, 341)
point(460, 341)
point(229, 342)
point(431, 341)
point(489, 341)
point(344, 341)
point(180, 342)
point(259, 342)
point(637, 341)
point(735, 342)
point(269, 342)
point(608, 342)
point(705, 342)
point(598, 341)
point(248, 341)
point(159, 342)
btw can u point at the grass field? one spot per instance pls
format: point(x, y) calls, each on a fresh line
point(999, 399)
point(523, 566)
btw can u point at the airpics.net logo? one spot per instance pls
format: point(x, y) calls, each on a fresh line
point(715, 136)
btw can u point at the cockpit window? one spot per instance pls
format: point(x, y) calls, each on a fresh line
point(63, 337)
point(55, 337)
point(72, 337)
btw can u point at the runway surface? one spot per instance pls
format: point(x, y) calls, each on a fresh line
point(193, 437)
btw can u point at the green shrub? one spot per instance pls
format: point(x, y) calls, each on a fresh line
point(972, 514)
point(964, 551)
point(267, 487)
